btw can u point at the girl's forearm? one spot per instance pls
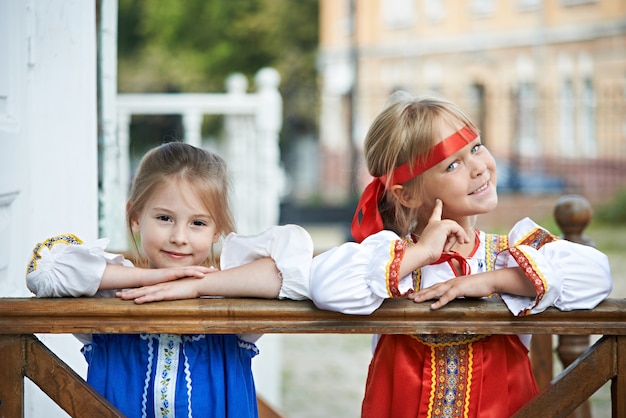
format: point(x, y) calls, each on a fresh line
point(259, 278)
point(415, 257)
point(121, 277)
point(511, 281)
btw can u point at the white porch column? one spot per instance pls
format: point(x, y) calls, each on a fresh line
point(192, 123)
point(269, 120)
point(241, 156)
point(268, 182)
point(116, 181)
point(112, 196)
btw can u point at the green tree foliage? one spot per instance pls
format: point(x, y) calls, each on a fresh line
point(193, 45)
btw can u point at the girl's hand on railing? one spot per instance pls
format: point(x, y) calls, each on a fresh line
point(506, 280)
point(122, 277)
point(184, 288)
point(463, 286)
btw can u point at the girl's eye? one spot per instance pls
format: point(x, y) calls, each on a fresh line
point(476, 148)
point(198, 223)
point(453, 166)
point(164, 218)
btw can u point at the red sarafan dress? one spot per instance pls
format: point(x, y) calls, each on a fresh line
point(448, 376)
point(456, 375)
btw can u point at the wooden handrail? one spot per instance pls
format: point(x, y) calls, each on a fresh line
point(23, 355)
point(243, 315)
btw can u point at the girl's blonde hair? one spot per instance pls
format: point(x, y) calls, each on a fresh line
point(205, 171)
point(406, 131)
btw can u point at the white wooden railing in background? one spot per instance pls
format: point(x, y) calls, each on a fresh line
point(251, 128)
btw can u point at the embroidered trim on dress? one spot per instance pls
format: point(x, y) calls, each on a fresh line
point(537, 238)
point(393, 268)
point(494, 244)
point(247, 346)
point(187, 380)
point(193, 337)
point(451, 368)
point(531, 271)
point(417, 279)
point(448, 340)
point(166, 375)
point(67, 239)
point(144, 397)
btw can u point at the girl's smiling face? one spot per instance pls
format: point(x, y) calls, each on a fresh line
point(465, 181)
point(175, 227)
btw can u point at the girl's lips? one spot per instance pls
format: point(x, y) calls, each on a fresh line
point(481, 189)
point(175, 254)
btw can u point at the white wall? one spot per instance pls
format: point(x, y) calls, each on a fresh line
point(48, 143)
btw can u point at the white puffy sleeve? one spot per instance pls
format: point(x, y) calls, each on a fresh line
point(356, 278)
point(64, 266)
point(291, 248)
point(566, 275)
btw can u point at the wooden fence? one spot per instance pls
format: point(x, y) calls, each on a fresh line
point(24, 356)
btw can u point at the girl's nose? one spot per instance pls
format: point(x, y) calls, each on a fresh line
point(477, 167)
point(178, 235)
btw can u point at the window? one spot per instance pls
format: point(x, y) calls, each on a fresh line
point(398, 14)
point(435, 10)
point(526, 126)
point(567, 133)
point(478, 109)
point(576, 2)
point(587, 119)
point(526, 108)
point(432, 75)
point(529, 5)
point(482, 7)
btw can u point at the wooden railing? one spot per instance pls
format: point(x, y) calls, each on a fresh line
point(22, 355)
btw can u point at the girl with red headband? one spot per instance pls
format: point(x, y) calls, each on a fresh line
point(416, 238)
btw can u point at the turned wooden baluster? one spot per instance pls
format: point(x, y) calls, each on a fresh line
point(573, 213)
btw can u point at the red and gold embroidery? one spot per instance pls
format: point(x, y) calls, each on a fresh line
point(537, 238)
point(532, 272)
point(451, 381)
point(494, 244)
point(393, 268)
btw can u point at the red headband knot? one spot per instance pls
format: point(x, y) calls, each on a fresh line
point(367, 220)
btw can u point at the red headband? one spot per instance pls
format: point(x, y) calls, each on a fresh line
point(367, 219)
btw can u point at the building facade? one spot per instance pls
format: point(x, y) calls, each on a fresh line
point(545, 81)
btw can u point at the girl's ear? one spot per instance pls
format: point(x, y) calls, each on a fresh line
point(405, 197)
point(216, 236)
point(134, 225)
point(134, 220)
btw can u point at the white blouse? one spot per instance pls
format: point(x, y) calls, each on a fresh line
point(63, 266)
point(354, 278)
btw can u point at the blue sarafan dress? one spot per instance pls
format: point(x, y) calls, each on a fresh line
point(169, 375)
point(166, 375)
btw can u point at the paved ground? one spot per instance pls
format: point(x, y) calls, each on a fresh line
point(324, 375)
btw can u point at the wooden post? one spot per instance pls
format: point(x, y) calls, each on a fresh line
point(618, 384)
point(12, 383)
point(541, 359)
point(573, 213)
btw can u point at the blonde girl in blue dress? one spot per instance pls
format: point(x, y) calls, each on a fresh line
point(178, 209)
